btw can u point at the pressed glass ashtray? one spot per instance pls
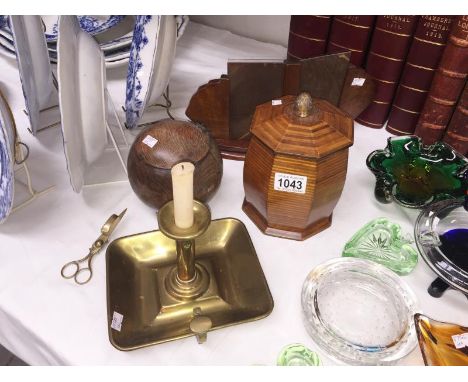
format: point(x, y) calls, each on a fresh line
point(359, 312)
point(297, 355)
point(441, 234)
point(415, 175)
point(382, 241)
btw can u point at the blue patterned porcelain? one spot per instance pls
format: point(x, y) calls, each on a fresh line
point(3, 21)
point(6, 174)
point(90, 24)
point(136, 71)
point(94, 25)
point(8, 122)
point(151, 57)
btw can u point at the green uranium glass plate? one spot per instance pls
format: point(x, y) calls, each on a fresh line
point(415, 175)
point(381, 241)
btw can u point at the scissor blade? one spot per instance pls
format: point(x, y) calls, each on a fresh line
point(111, 223)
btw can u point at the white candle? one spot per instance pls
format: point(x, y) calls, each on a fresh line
point(182, 193)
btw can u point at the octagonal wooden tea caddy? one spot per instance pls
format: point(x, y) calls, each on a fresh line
point(295, 166)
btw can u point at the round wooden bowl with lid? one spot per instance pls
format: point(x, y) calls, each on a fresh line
point(162, 145)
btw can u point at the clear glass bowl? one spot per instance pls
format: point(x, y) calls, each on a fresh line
point(441, 234)
point(359, 312)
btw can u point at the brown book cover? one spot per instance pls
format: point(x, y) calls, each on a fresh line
point(447, 84)
point(423, 58)
point(308, 36)
point(351, 33)
point(387, 54)
point(456, 134)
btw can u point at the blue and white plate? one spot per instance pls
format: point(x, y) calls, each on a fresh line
point(115, 42)
point(7, 35)
point(7, 47)
point(6, 172)
point(3, 21)
point(81, 77)
point(151, 57)
point(8, 122)
point(33, 65)
point(91, 24)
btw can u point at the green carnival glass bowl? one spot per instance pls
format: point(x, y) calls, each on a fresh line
point(297, 355)
point(382, 241)
point(415, 175)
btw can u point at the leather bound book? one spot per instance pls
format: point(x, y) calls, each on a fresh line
point(447, 84)
point(351, 33)
point(423, 58)
point(308, 36)
point(387, 54)
point(456, 134)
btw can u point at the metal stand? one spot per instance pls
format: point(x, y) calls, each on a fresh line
point(106, 169)
point(21, 165)
point(48, 117)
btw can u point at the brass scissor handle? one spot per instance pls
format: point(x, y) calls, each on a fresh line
point(79, 274)
point(82, 275)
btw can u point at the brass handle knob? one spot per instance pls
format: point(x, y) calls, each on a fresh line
point(200, 325)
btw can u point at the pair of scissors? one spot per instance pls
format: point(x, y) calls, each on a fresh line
point(82, 275)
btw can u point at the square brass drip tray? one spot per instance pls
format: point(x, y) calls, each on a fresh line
point(137, 265)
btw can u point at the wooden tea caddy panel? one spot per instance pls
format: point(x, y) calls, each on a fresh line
point(313, 147)
point(226, 105)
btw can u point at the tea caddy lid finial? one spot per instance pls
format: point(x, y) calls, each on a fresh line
point(303, 105)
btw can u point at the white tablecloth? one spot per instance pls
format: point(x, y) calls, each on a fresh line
point(45, 319)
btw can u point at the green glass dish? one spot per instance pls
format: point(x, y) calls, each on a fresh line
point(297, 355)
point(415, 175)
point(382, 241)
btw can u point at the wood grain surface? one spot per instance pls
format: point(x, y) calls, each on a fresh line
point(149, 168)
point(210, 106)
point(315, 147)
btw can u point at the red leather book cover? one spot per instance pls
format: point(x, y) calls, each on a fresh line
point(447, 84)
point(387, 54)
point(423, 57)
point(351, 33)
point(308, 36)
point(456, 134)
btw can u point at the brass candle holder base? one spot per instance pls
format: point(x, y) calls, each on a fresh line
point(174, 283)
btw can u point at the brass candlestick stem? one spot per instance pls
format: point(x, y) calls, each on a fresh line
point(187, 280)
point(173, 283)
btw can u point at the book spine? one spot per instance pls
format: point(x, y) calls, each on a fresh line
point(389, 46)
point(424, 55)
point(457, 130)
point(447, 84)
point(308, 36)
point(351, 33)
